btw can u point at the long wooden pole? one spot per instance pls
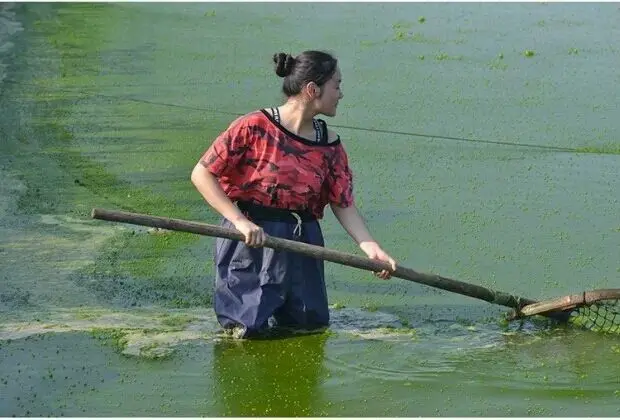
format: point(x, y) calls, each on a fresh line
point(318, 252)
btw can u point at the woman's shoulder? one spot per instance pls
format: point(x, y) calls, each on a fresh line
point(333, 137)
point(250, 118)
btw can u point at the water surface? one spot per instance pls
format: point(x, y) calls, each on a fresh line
point(507, 179)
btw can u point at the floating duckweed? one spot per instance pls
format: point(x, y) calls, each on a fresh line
point(396, 330)
point(177, 321)
point(402, 25)
point(115, 337)
point(400, 35)
point(608, 150)
point(85, 314)
point(529, 53)
point(421, 19)
point(573, 51)
point(210, 13)
point(156, 351)
point(497, 64)
point(370, 307)
point(275, 19)
point(443, 56)
point(421, 57)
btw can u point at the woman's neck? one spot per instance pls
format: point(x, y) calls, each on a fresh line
point(297, 117)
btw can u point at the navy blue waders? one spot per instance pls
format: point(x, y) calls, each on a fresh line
point(255, 284)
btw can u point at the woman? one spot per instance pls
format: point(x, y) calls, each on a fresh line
point(273, 172)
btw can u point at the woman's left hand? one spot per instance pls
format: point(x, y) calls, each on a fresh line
point(374, 251)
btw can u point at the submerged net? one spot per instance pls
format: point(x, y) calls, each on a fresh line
point(601, 316)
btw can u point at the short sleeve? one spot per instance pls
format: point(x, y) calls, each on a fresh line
point(339, 180)
point(227, 149)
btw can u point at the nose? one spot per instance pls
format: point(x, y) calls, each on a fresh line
point(341, 95)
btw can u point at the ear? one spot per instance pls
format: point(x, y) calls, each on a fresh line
point(313, 90)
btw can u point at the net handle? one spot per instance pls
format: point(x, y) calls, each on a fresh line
point(432, 280)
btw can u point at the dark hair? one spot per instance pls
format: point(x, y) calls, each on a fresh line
point(309, 66)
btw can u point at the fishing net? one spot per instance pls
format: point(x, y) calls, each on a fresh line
point(601, 316)
point(596, 310)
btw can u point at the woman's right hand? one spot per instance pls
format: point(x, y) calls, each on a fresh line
point(254, 235)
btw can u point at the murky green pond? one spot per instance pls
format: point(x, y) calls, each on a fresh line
point(504, 174)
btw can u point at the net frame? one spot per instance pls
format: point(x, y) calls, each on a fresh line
point(595, 310)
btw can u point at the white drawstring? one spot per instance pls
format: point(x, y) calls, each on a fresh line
point(297, 230)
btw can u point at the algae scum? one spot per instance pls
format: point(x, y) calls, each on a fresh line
point(508, 180)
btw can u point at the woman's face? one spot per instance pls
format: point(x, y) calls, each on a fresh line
point(330, 94)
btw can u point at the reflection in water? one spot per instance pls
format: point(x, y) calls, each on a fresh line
point(278, 377)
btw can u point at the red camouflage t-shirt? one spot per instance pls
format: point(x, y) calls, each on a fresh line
point(257, 159)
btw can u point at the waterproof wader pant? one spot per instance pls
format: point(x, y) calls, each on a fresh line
point(254, 284)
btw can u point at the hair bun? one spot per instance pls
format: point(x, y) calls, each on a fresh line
point(284, 64)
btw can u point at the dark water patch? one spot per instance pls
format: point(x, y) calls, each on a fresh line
point(45, 375)
point(167, 291)
point(10, 26)
point(15, 298)
point(129, 270)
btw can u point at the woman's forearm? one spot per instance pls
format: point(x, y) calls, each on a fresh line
point(213, 194)
point(352, 222)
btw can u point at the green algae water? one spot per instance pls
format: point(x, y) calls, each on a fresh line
point(509, 180)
